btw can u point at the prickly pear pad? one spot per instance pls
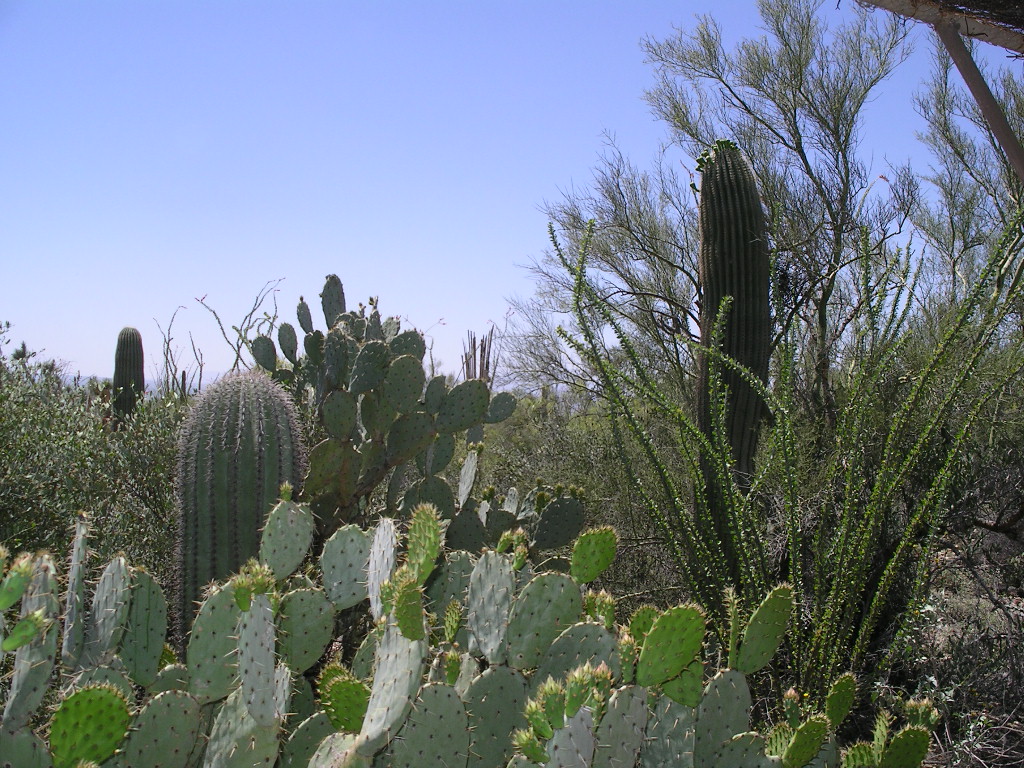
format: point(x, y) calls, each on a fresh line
point(765, 630)
point(463, 406)
point(671, 644)
point(592, 553)
point(210, 657)
point(167, 726)
point(305, 627)
point(546, 607)
point(806, 742)
point(286, 537)
point(620, 734)
point(399, 670)
point(88, 725)
point(143, 641)
point(491, 588)
point(579, 644)
point(344, 562)
point(495, 701)
point(436, 733)
point(722, 714)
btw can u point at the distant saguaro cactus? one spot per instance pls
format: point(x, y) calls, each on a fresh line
point(129, 374)
point(733, 264)
point(240, 441)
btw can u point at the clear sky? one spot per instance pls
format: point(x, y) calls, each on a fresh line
point(156, 152)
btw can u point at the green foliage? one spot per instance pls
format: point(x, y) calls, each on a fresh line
point(875, 490)
point(58, 456)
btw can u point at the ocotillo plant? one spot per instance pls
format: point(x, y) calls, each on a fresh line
point(240, 441)
point(129, 374)
point(735, 319)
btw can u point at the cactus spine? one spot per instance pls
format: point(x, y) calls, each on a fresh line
point(734, 267)
point(240, 441)
point(129, 374)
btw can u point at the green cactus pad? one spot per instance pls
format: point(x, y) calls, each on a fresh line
point(491, 589)
point(806, 742)
point(436, 733)
point(548, 605)
point(298, 750)
point(434, 394)
point(408, 343)
point(332, 300)
point(642, 620)
point(339, 750)
point(765, 630)
point(620, 734)
point(559, 524)
point(439, 454)
point(383, 556)
point(286, 537)
point(669, 736)
point(369, 367)
point(108, 676)
point(23, 749)
point(495, 701)
point(467, 476)
point(450, 584)
point(74, 608)
point(398, 671)
point(143, 642)
point(34, 662)
point(237, 741)
point(305, 627)
point(424, 541)
point(746, 749)
point(289, 342)
point(173, 677)
point(573, 745)
point(840, 699)
point(333, 470)
point(264, 353)
point(210, 656)
point(339, 414)
point(88, 725)
point(343, 697)
point(256, 643)
point(688, 686)
point(463, 406)
point(409, 435)
point(404, 382)
point(671, 645)
point(583, 643)
point(408, 599)
point(343, 563)
point(502, 406)
point(907, 749)
point(722, 714)
point(109, 615)
point(467, 531)
point(164, 732)
point(592, 553)
point(304, 316)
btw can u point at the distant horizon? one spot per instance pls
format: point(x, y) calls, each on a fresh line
point(162, 152)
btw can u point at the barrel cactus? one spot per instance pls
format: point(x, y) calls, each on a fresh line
point(240, 441)
point(129, 374)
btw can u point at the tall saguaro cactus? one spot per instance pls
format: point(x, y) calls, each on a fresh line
point(733, 264)
point(129, 374)
point(240, 441)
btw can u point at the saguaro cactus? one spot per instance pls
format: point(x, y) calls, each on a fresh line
point(240, 441)
point(733, 263)
point(129, 374)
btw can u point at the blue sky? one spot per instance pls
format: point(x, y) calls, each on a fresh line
point(155, 152)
